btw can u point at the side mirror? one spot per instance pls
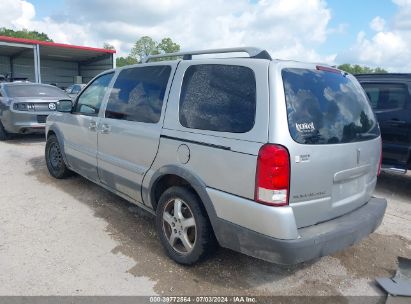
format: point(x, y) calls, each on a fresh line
point(64, 105)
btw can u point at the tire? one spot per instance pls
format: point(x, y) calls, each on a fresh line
point(177, 232)
point(54, 159)
point(3, 133)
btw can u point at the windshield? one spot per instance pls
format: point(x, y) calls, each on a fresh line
point(31, 90)
point(325, 107)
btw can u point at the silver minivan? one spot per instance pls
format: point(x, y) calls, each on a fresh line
point(274, 159)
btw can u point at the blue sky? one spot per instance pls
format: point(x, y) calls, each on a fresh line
point(374, 33)
point(45, 8)
point(357, 16)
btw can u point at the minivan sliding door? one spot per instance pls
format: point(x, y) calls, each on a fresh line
point(129, 133)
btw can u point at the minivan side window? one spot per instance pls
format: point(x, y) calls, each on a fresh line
point(219, 98)
point(386, 96)
point(138, 94)
point(90, 100)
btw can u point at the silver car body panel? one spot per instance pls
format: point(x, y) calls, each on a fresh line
point(335, 180)
point(274, 222)
point(123, 169)
point(80, 140)
point(225, 161)
point(79, 133)
point(30, 121)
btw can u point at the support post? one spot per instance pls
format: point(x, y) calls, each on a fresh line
point(11, 63)
point(37, 71)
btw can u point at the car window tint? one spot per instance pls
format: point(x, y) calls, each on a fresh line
point(327, 108)
point(218, 98)
point(386, 96)
point(138, 94)
point(90, 100)
point(34, 90)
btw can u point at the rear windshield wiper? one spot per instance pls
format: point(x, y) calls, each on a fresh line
point(365, 135)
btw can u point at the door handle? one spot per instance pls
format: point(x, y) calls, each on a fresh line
point(105, 129)
point(92, 126)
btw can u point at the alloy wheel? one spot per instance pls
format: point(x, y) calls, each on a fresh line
point(179, 226)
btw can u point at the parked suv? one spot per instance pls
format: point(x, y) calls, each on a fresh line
point(389, 95)
point(274, 159)
point(24, 107)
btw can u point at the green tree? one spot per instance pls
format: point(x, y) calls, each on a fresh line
point(24, 33)
point(379, 70)
point(122, 61)
point(108, 46)
point(358, 69)
point(148, 46)
point(167, 45)
point(143, 47)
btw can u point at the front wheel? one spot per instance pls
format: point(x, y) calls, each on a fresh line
point(54, 159)
point(183, 226)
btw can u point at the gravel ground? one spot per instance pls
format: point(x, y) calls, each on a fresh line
point(71, 237)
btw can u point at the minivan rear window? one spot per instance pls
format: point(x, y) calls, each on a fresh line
point(325, 107)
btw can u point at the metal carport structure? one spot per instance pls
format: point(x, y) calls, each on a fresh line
point(50, 62)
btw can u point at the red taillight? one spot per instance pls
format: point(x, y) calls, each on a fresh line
point(379, 166)
point(272, 182)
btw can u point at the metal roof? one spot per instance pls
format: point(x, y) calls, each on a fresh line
point(10, 46)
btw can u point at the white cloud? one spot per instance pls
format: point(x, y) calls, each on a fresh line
point(382, 48)
point(289, 29)
point(377, 24)
point(16, 13)
point(389, 47)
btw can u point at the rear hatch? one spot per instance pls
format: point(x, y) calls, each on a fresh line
point(34, 97)
point(35, 104)
point(334, 143)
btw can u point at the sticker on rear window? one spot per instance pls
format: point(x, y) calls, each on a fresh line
point(305, 127)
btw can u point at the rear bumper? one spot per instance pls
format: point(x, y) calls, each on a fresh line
point(24, 122)
point(314, 241)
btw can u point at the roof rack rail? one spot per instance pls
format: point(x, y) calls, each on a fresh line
point(253, 52)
